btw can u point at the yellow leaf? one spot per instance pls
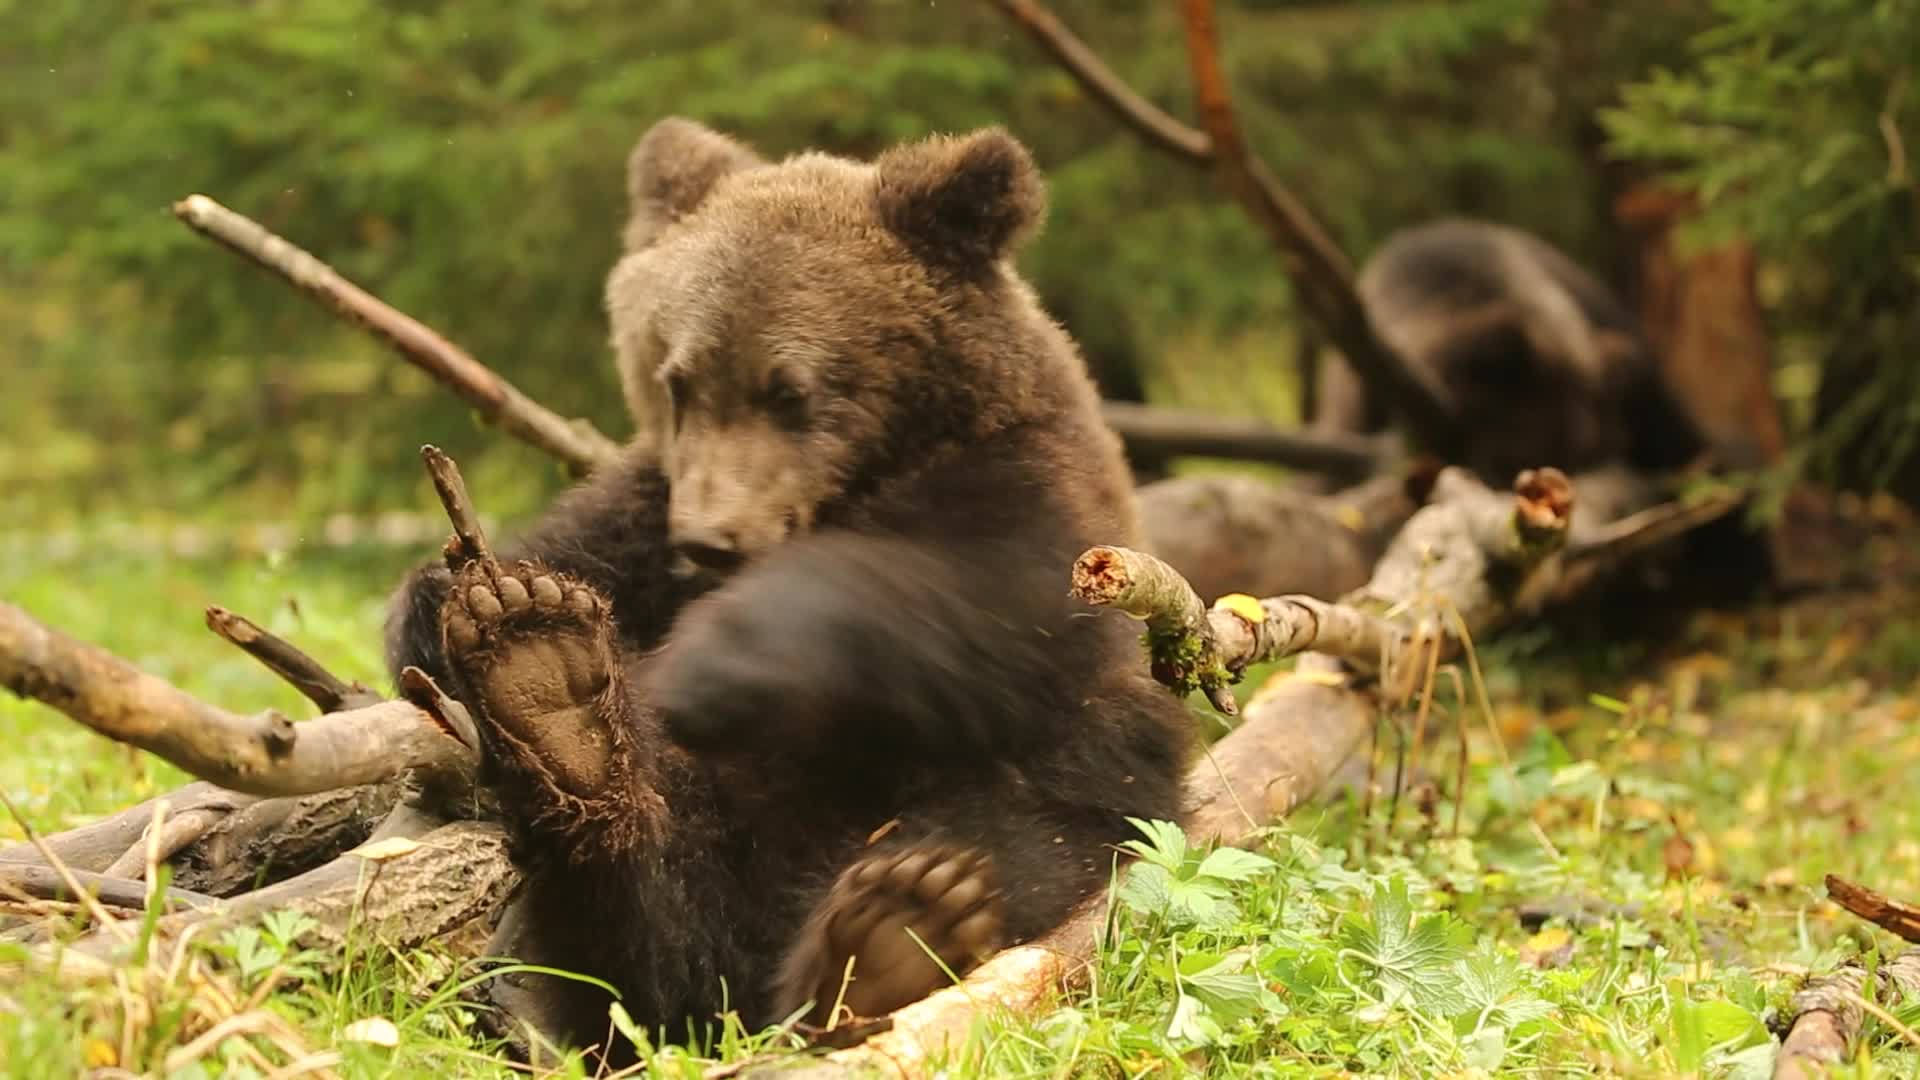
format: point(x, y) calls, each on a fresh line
point(100, 1054)
point(377, 1030)
point(1242, 605)
point(1349, 515)
point(1549, 939)
point(393, 847)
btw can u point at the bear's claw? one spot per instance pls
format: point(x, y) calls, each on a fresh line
point(531, 650)
point(947, 897)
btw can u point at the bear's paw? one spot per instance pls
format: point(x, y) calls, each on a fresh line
point(947, 897)
point(531, 652)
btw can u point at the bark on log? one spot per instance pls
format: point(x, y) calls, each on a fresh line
point(262, 754)
point(1230, 532)
point(1827, 1015)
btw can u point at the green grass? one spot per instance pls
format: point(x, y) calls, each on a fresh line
point(1780, 745)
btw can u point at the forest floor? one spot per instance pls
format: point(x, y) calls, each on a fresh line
point(1668, 807)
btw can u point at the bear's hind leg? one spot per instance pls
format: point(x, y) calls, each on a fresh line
point(948, 897)
point(531, 653)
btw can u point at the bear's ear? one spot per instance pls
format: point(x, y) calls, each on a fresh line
point(671, 170)
point(962, 202)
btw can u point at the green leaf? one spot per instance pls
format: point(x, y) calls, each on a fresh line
point(1234, 864)
point(1165, 845)
point(1486, 1048)
point(1497, 988)
point(1229, 991)
point(1146, 888)
point(1412, 960)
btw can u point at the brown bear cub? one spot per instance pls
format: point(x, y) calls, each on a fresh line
point(1545, 364)
point(799, 673)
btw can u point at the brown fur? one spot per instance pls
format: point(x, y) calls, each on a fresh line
point(1546, 365)
point(841, 685)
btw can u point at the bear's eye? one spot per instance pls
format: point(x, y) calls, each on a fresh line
point(678, 394)
point(786, 398)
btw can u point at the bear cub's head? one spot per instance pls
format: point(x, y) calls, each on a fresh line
point(792, 334)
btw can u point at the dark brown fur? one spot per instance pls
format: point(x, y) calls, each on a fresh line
point(1546, 365)
point(842, 669)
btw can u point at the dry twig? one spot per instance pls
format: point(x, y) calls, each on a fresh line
point(303, 672)
point(1897, 918)
point(575, 442)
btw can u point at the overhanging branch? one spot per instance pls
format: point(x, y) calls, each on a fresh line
point(576, 442)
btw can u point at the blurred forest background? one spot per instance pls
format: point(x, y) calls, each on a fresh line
point(464, 162)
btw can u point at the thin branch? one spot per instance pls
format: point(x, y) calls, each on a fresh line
point(1157, 433)
point(1317, 266)
point(1099, 80)
point(1314, 262)
point(1470, 528)
point(469, 540)
point(262, 754)
point(1893, 916)
point(38, 882)
point(575, 442)
point(303, 672)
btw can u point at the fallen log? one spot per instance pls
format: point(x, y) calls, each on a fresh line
point(1827, 1015)
point(1231, 532)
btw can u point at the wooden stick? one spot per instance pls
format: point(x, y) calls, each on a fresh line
point(320, 686)
point(1152, 122)
point(262, 754)
point(1897, 918)
point(1314, 262)
point(576, 442)
point(470, 541)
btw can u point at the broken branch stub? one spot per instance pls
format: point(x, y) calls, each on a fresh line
point(281, 657)
point(469, 543)
point(1895, 917)
point(1180, 641)
point(576, 442)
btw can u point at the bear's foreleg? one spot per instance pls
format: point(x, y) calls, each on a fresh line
point(896, 645)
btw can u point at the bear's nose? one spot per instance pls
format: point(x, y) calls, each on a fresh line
point(717, 556)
